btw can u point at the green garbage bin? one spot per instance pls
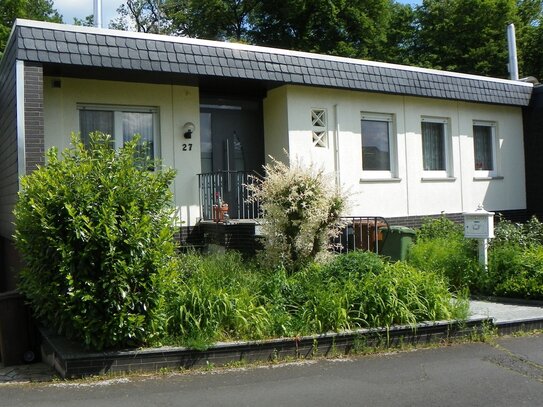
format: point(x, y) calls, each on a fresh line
point(396, 242)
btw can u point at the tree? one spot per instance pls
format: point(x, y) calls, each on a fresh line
point(349, 28)
point(353, 28)
point(530, 38)
point(211, 19)
point(457, 35)
point(464, 35)
point(400, 36)
point(10, 10)
point(142, 15)
point(85, 22)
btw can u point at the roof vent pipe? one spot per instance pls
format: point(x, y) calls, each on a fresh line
point(512, 45)
point(97, 13)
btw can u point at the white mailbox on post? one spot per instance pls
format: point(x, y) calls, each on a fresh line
point(479, 224)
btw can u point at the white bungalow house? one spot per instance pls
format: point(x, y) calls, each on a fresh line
point(407, 142)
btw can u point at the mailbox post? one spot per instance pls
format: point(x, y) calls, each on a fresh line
point(479, 225)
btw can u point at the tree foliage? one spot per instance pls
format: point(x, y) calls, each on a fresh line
point(31, 9)
point(212, 19)
point(354, 28)
point(141, 16)
point(530, 38)
point(464, 35)
point(458, 35)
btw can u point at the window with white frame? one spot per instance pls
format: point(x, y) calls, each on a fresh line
point(122, 123)
point(377, 144)
point(435, 146)
point(319, 127)
point(484, 142)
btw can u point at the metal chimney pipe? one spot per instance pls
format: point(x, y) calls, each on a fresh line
point(97, 13)
point(512, 45)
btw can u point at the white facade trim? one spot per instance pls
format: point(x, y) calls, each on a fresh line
point(20, 96)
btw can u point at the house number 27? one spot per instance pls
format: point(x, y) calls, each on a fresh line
point(187, 147)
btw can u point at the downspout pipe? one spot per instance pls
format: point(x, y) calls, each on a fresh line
point(512, 45)
point(336, 149)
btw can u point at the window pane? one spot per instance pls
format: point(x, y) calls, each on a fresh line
point(433, 146)
point(375, 145)
point(482, 140)
point(95, 120)
point(141, 124)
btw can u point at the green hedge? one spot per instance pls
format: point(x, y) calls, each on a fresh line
point(95, 231)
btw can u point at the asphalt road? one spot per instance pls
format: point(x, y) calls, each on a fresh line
point(508, 372)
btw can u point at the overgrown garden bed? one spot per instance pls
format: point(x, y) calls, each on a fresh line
point(96, 233)
point(515, 267)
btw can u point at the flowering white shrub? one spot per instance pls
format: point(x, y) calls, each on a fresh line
point(302, 211)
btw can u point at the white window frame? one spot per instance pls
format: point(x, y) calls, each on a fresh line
point(118, 110)
point(447, 143)
point(493, 172)
point(380, 174)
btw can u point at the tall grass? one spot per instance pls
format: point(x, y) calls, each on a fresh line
point(441, 248)
point(515, 258)
point(222, 297)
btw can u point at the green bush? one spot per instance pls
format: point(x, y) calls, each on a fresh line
point(519, 234)
point(516, 272)
point(301, 211)
point(96, 235)
point(442, 248)
point(455, 259)
point(353, 265)
point(440, 228)
point(515, 258)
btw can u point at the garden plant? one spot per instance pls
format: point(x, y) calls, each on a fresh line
point(515, 266)
point(301, 211)
point(94, 228)
point(222, 297)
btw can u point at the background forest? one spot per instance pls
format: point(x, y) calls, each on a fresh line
point(458, 35)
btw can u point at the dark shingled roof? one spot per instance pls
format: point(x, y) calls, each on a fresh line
point(49, 43)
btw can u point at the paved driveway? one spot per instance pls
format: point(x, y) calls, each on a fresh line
point(505, 373)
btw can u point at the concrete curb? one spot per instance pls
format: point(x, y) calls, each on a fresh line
point(507, 300)
point(72, 361)
point(519, 325)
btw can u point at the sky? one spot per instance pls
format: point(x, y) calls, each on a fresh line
point(82, 8)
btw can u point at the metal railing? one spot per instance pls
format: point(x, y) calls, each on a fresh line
point(229, 187)
point(361, 233)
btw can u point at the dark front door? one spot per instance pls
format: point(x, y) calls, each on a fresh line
point(232, 146)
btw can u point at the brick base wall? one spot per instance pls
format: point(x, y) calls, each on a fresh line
point(232, 236)
point(518, 215)
point(241, 236)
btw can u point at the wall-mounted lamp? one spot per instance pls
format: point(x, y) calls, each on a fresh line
point(188, 129)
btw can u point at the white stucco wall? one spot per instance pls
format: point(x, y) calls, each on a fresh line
point(287, 125)
point(276, 124)
point(176, 106)
point(410, 192)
